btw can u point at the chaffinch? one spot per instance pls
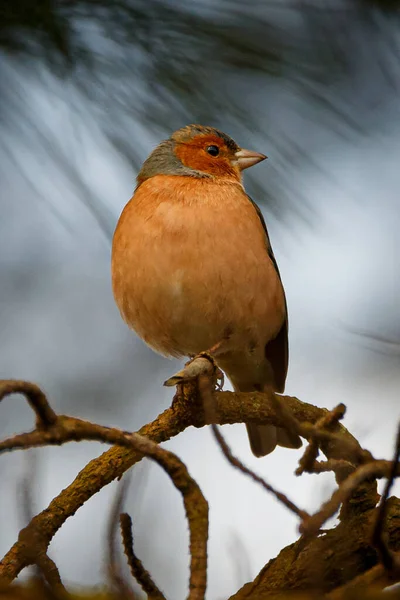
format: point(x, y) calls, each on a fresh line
point(193, 268)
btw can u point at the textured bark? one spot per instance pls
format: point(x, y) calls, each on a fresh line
point(338, 564)
point(186, 410)
point(331, 560)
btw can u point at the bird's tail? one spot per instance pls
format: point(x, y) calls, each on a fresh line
point(264, 438)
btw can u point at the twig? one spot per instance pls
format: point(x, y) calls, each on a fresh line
point(66, 429)
point(26, 499)
point(114, 571)
point(201, 365)
point(207, 395)
point(138, 571)
point(232, 407)
point(25, 488)
point(343, 468)
point(390, 559)
point(45, 415)
point(196, 508)
point(306, 462)
point(348, 446)
point(235, 462)
point(46, 569)
point(51, 574)
point(374, 470)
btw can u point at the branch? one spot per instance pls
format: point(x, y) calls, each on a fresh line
point(116, 577)
point(342, 468)
point(45, 416)
point(186, 410)
point(138, 571)
point(372, 578)
point(347, 446)
point(390, 560)
point(207, 395)
point(68, 428)
point(307, 461)
point(374, 470)
point(341, 562)
point(201, 365)
point(51, 574)
point(235, 462)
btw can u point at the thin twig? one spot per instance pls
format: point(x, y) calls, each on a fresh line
point(310, 455)
point(45, 568)
point(185, 411)
point(37, 400)
point(374, 470)
point(347, 444)
point(25, 498)
point(51, 574)
point(235, 462)
point(343, 468)
point(25, 488)
point(201, 365)
point(68, 428)
point(207, 394)
point(114, 571)
point(138, 571)
point(390, 559)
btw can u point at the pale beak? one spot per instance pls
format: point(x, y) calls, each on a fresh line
point(248, 158)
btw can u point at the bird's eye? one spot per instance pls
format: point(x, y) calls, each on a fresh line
point(213, 150)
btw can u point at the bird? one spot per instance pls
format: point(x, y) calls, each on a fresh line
point(193, 268)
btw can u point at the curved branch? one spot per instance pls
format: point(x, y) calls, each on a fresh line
point(390, 560)
point(235, 462)
point(116, 577)
point(45, 415)
point(138, 571)
point(374, 470)
point(186, 410)
point(68, 428)
point(307, 461)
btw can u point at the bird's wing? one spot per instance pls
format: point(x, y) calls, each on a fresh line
point(277, 350)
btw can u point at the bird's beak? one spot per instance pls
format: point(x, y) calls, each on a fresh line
point(248, 158)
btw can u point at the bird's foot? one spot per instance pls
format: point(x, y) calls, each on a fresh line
point(218, 374)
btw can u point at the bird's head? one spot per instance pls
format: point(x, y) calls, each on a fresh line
point(198, 151)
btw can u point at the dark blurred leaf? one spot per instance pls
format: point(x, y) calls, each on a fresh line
point(157, 65)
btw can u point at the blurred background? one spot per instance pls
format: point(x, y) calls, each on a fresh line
point(87, 89)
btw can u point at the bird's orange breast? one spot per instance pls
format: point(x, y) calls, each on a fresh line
point(190, 265)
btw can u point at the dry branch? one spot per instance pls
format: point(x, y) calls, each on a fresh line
point(373, 578)
point(50, 572)
point(343, 560)
point(138, 571)
point(307, 461)
point(390, 560)
point(187, 409)
point(374, 470)
point(235, 462)
point(329, 563)
point(68, 428)
point(207, 395)
point(201, 365)
point(348, 447)
point(118, 581)
point(45, 416)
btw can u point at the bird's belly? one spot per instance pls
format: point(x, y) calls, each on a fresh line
point(192, 280)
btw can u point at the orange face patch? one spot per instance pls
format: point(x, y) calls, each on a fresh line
point(193, 154)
